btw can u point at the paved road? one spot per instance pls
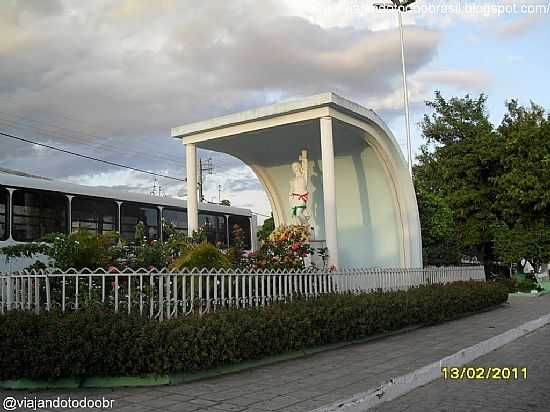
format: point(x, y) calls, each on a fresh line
point(530, 395)
point(305, 384)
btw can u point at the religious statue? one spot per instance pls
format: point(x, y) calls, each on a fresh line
point(298, 194)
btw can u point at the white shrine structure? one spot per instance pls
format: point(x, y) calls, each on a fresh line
point(360, 197)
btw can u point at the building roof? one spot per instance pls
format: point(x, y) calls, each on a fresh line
point(321, 100)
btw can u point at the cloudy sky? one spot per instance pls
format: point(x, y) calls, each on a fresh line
point(110, 78)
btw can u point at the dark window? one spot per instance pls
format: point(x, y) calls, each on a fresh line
point(37, 213)
point(95, 215)
point(4, 199)
point(244, 223)
point(131, 214)
point(216, 231)
point(177, 218)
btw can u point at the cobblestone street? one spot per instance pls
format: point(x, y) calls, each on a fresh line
point(530, 395)
point(322, 379)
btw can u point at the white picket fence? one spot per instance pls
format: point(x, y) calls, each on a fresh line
point(164, 295)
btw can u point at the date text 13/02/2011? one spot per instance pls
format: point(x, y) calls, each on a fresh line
point(484, 373)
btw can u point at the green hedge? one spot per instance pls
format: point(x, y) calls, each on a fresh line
point(101, 343)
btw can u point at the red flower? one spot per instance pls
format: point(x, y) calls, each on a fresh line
point(296, 246)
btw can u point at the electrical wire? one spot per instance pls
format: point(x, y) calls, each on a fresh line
point(22, 139)
point(56, 132)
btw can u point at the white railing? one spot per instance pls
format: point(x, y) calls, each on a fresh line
point(164, 295)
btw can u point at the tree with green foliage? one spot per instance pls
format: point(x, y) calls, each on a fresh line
point(265, 230)
point(456, 166)
point(483, 190)
point(522, 187)
point(439, 238)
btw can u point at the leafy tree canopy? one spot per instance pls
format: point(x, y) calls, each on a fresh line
point(483, 191)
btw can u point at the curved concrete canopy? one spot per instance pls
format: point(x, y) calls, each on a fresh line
point(377, 214)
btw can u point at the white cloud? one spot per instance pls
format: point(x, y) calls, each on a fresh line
point(518, 27)
point(131, 70)
point(469, 80)
point(423, 84)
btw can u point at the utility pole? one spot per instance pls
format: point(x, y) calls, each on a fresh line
point(154, 191)
point(207, 167)
point(402, 6)
point(219, 193)
point(405, 92)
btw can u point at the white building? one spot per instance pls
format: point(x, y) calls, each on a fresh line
point(361, 196)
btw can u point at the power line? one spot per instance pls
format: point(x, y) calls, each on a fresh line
point(11, 136)
point(97, 159)
point(47, 129)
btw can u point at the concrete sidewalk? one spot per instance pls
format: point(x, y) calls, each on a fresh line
point(309, 383)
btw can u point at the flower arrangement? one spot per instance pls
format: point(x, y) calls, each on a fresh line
point(287, 247)
point(295, 233)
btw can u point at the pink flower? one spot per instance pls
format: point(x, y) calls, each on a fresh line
point(296, 246)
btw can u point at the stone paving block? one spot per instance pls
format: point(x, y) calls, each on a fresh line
point(227, 407)
point(248, 401)
point(201, 402)
point(182, 407)
point(277, 403)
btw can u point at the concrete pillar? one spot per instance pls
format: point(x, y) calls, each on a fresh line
point(192, 199)
point(329, 189)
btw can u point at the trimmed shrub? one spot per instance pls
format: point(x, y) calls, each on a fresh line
point(202, 256)
point(97, 342)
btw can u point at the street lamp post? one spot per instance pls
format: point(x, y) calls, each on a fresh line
point(402, 6)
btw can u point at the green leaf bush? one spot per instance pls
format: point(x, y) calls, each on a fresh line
point(203, 256)
point(97, 342)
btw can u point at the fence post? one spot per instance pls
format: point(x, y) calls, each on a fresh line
point(129, 293)
point(2, 281)
point(9, 292)
point(116, 293)
point(183, 294)
point(48, 301)
point(243, 289)
point(167, 291)
point(151, 296)
point(161, 298)
point(207, 292)
point(141, 294)
point(36, 294)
